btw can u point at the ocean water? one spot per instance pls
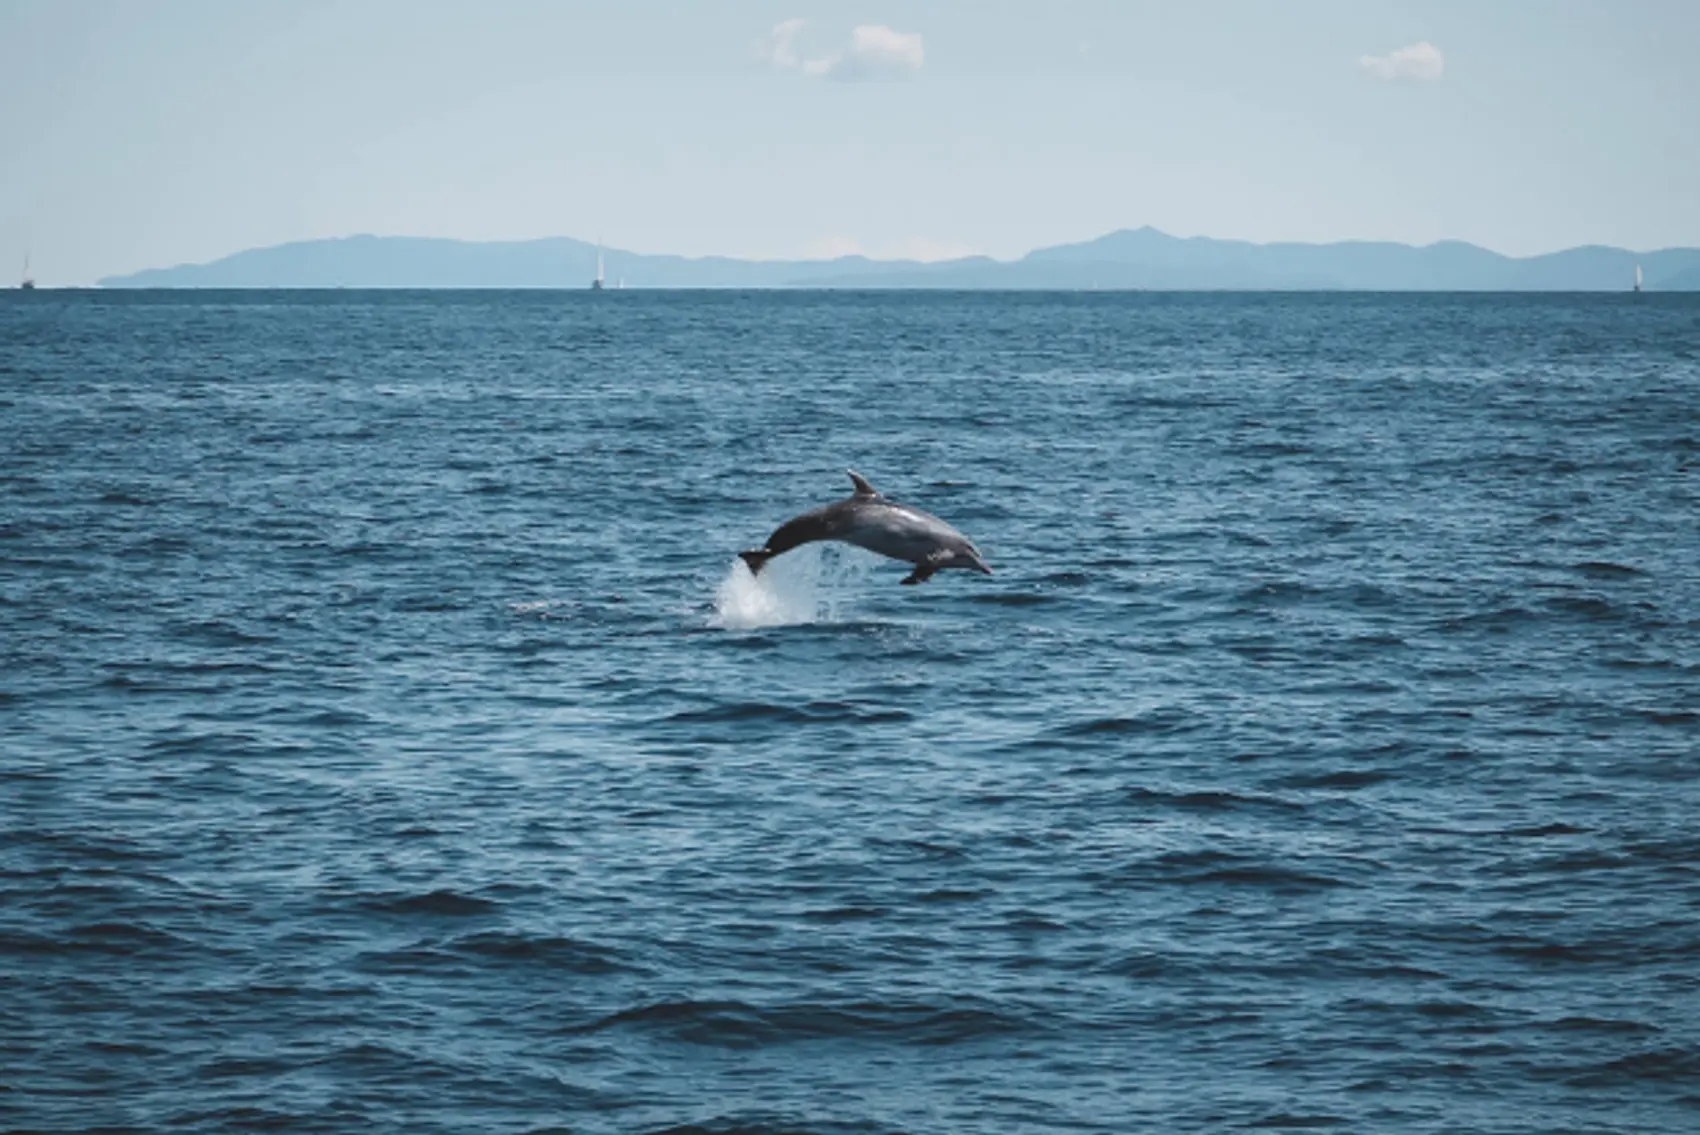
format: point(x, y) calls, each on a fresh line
point(390, 740)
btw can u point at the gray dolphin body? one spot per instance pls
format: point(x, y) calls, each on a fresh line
point(868, 520)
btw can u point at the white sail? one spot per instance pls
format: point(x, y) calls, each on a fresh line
point(1638, 277)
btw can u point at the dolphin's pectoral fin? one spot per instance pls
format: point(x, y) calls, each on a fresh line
point(925, 569)
point(863, 489)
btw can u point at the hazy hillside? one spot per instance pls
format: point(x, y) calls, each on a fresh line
point(1130, 258)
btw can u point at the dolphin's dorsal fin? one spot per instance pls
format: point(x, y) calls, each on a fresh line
point(863, 489)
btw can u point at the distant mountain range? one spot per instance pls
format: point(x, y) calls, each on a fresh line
point(1129, 259)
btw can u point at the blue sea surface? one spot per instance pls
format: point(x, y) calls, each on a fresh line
point(390, 740)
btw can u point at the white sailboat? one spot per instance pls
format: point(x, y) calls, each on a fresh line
point(596, 284)
point(27, 282)
point(1638, 277)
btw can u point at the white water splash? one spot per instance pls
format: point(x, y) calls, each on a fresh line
point(809, 585)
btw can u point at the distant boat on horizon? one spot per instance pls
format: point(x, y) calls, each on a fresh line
point(1638, 277)
point(596, 284)
point(27, 282)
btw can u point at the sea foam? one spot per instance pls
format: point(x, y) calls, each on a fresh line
point(810, 585)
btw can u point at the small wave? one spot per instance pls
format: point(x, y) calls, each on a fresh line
point(1544, 830)
point(832, 915)
point(1144, 965)
point(237, 1067)
point(1286, 1122)
point(1011, 598)
point(1208, 801)
point(416, 959)
point(125, 938)
point(335, 718)
point(1280, 880)
point(922, 849)
point(1668, 1065)
point(1597, 1025)
point(1681, 851)
point(745, 1124)
point(1343, 778)
point(948, 894)
point(1536, 952)
point(548, 951)
point(1600, 569)
point(1277, 593)
point(240, 1118)
point(1501, 621)
point(1588, 607)
point(1215, 868)
point(1453, 1011)
point(436, 902)
point(123, 497)
point(737, 1024)
point(1160, 722)
point(819, 711)
point(214, 667)
point(1271, 449)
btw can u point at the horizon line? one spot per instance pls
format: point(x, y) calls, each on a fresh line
point(573, 289)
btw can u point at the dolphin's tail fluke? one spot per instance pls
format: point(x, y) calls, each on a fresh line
point(756, 558)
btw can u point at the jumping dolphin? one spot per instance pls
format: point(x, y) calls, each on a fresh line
point(868, 520)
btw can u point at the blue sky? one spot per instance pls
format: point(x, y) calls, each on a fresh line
point(138, 134)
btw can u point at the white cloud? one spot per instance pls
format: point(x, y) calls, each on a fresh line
point(875, 52)
point(1420, 61)
point(778, 46)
